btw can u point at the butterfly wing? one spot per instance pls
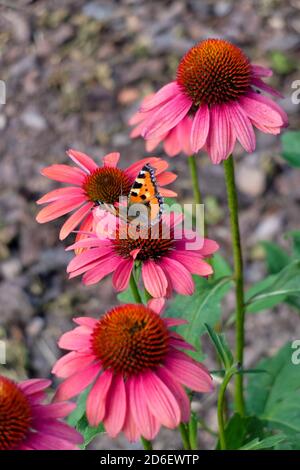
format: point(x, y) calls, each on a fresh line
point(144, 191)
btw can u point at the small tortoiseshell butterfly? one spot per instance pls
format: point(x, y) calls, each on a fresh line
point(143, 192)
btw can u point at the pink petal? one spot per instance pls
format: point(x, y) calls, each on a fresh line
point(263, 110)
point(178, 392)
point(53, 411)
point(74, 220)
point(76, 383)
point(200, 128)
point(42, 441)
point(177, 342)
point(220, 140)
point(122, 274)
point(242, 126)
point(261, 71)
point(184, 129)
point(65, 174)
point(175, 322)
point(115, 407)
point(154, 279)
point(192, 262)
point(165, 178)
point(160, 400)
point(61, 193)
point(81, 159)
point(166, 93)
point(88, 242)
point(172, 145)
point(130, 428)
point(181, 278)
point(147, 424)
point(77, 339)
point(209, 247)
point(167, 192)
point(258, 83)
point(87, 256)
point(191, 374)
point(167, 116)
point(59, 430)
point(157, 305)
point(86, 321)
point(71, 363)
point(106, 267)
point(111, 159)
point(32, 386)
point(151, 144)
point(58, 208)
point(97, 398)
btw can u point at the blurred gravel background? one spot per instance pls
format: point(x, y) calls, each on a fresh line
point(75, 71)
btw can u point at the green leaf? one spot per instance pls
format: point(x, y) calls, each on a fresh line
point(266, 443)
point(88, 432)
point(291, 147)
point(204, 306)
point(295, 236)
point(220, 266)
point(274, 289)
point(274, 396)
point(221, 346)
point(241, 430)
point(79, 411)
point(276, 257)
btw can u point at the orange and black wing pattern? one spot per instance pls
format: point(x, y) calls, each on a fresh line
point(144, 191)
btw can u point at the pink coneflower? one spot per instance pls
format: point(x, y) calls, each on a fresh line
point(212, 103)
point(167, 263)
point(26, 423)
point(92, 184)
point(136, 368)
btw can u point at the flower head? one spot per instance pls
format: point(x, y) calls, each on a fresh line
point(134, 362)
point(213, 102)
point(91, 184)
point(167, 262)
point(28, 424)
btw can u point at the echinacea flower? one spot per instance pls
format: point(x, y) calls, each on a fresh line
point(214, 101)
point(26, 423)
point(167, 263)
point(137, 372)
point(91, 184)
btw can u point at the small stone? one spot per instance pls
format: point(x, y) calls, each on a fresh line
point(222, 8)
point(251, 180)
point(14, 303)
point(268, 228)
point(34, 120)
point(11, 268)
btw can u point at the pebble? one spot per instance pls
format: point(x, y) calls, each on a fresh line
point(251, 180)
point(33, 119)
point(11, 268)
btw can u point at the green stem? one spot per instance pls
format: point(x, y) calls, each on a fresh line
point(184, 436)
point(221, 403)
point(239, 279)
point(146, 444)
point(195, 181)
point(135, 290)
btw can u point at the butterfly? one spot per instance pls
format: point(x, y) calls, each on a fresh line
point(143, 194)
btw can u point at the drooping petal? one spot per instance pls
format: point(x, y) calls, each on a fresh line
point(96, 401)
point(76, 383)
point(147, 424)
point(116, 406)
point(178, 392)
point(166, 177)
point(160, 400)
point(192, 262)
point(263, 110)
point(157, 305)
point(184, 129)
point(32, 386)
point(261, 71)
point(257, 82)
point(74, 220)
point(172, 145)
point(242, 126)
point(166, 93)
point(58, 208)
point(107, 266)
point(130, 428)
point(180, 277)
point(191, 374)
point(167, 116)
point(76, 339)
point(154, 279)
point(71, 363)
point(122, 274)
point(53, 410)
point(220, 139)
point(200, 128)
